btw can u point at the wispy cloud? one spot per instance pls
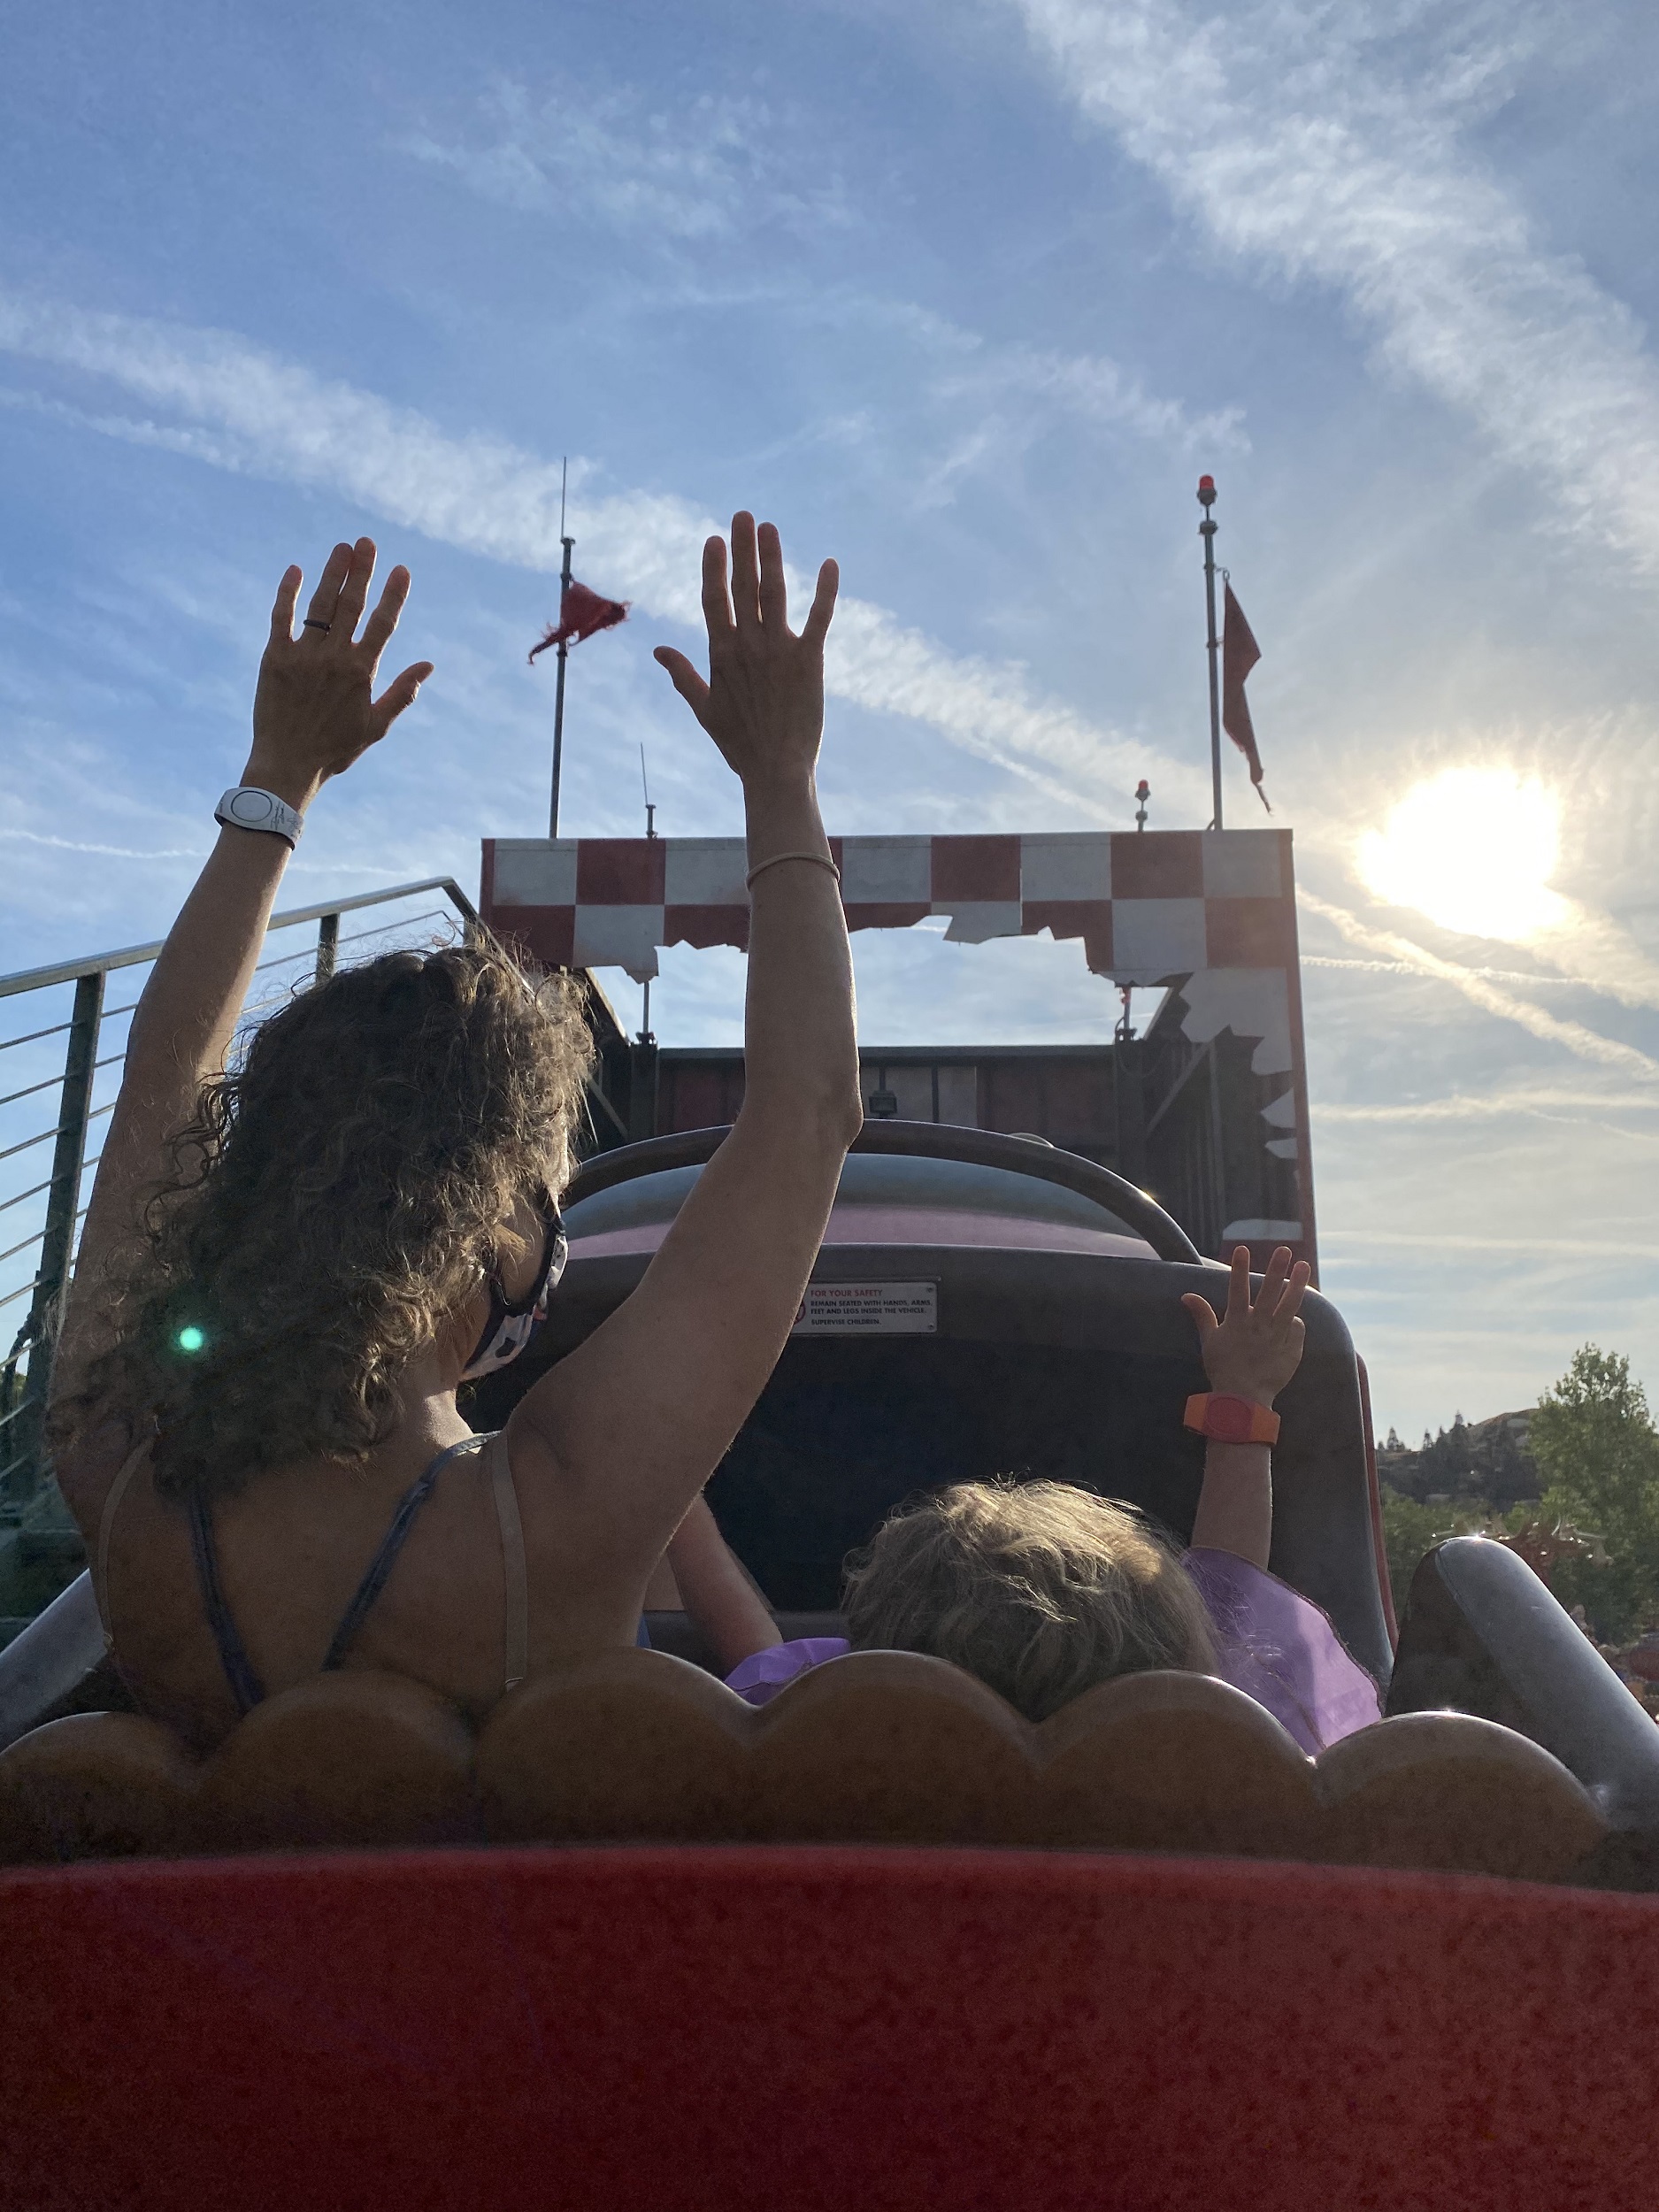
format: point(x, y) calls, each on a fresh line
point(353, 866)
point(1317, 141)
point(1589, 951)
point(1571, 1248)
point(111, 852)
point(248, 408)
point(1591, 948)
point(712, 171)
point(1406, 967)
point(1009, 379)
point(1015, 394)
point(1585, 1044)
point(1029, 385)
point(701, 169)
point(1563, 1110)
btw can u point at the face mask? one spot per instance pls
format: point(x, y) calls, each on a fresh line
point(511, 1327)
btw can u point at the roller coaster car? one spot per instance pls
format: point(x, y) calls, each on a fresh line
point(982, 1305)
point(985, 1304)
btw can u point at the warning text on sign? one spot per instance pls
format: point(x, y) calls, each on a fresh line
point(869, 1309)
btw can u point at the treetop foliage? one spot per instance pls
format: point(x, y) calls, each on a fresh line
point(1592, 1450)
point(1598, 1451)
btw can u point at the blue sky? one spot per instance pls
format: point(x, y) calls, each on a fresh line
point(967, 294)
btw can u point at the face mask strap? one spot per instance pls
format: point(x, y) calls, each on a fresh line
point(555, 1250)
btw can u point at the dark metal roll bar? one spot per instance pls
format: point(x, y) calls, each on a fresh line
point(1483, 1634)
point(919, 1139)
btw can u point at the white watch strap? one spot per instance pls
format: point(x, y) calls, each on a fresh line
point(246, 807)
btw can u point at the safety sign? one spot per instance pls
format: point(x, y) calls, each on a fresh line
point(868, 1310)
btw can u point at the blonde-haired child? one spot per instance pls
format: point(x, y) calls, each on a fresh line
point(1042, 1590)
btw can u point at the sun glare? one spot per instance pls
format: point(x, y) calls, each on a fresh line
point(1474, 849)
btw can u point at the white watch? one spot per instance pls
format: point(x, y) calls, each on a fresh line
point(248, 808)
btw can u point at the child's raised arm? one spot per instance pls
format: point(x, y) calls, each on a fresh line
point(1251, 1354)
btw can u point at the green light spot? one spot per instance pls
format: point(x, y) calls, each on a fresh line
point(190, 1337)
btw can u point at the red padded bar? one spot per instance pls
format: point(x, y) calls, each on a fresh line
point(820, 2028)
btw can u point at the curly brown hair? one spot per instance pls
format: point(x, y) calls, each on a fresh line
point(336, 1196)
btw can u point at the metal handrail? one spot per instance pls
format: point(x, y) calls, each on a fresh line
point(134, 956)
point(25, 1388)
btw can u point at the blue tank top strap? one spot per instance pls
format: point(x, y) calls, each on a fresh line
point(245, 1685)
point(385, 1559)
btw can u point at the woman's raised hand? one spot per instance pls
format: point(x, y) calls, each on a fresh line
point(314, 710)
point(764, 702)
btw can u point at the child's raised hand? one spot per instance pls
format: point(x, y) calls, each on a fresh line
point(1255, 1349)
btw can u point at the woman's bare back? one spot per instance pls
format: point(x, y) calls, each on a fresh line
point(292, 1549)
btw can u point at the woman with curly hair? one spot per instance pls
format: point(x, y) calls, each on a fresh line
point(288, 1269)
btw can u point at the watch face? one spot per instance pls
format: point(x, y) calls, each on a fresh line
point(246, 808)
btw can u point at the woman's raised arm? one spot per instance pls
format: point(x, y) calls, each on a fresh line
point(314, 713)
point(631, 1424)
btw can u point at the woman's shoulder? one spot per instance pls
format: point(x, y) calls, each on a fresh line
point(88, 1463)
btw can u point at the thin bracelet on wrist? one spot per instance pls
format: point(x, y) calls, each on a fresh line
point(818, 860)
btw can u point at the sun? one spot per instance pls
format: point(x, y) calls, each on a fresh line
point(1474, 849)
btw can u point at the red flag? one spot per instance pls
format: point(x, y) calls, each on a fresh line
point(582, 613)
point(1240, 653)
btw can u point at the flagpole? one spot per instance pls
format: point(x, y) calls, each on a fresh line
point(563, 650)
point(646, 1037)
point(558, 694)
point(1207, 531)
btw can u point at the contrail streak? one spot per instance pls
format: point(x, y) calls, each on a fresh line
point(1572, 1036)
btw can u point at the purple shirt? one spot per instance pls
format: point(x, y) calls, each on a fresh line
point(1272, 1643)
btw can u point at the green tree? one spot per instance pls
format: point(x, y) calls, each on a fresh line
point(1410, 1530)
point(1598, 1452)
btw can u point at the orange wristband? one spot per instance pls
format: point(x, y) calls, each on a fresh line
point(1231, 1420)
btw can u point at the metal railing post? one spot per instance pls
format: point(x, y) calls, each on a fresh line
point(63, 1204)
point(328, 946)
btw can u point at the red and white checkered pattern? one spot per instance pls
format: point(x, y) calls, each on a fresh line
point(1215, 909)
point(1148, 906)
